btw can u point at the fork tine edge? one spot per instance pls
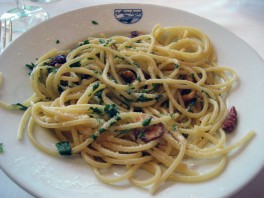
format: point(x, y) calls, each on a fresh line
point(0, 29)
point(6, 27)
point(10, 31)
point(4, 36)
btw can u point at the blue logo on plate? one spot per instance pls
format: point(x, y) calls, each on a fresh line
point(128, 16)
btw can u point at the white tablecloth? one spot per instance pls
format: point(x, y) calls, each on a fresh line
point(242, 17)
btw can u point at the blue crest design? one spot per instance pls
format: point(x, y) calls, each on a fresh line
point(128, 16)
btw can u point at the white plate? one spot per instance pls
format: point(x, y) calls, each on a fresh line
point(46, 176)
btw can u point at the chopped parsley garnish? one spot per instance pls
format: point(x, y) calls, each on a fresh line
point(192, 76)
point(136, 64)
point(111, 110)
point(138, 79)
point(122, 132)
point(206, 93)
point(102, 41)
point(20, 106)
point(105, 42)
point(96, 110)
point(99, 94)
point(1, 147)
point(49, 70)
point(101, 130)
point(147, 121)
point(52, 70)
point(192, 104)
point(96, 85)
point(120, 57)
point(93, 136)
point(94, 23)
point(30, 67)
point(126, 100)
point(85, 42)
point(106, 125)
point(143, 98)
point(177, 66)
point(141, 135)
point(174, 127)
point(64, 148)
point(77, 64)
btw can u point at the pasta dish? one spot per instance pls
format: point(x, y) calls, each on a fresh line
point(146, 102)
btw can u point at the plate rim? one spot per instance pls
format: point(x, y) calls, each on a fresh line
point(124, 4)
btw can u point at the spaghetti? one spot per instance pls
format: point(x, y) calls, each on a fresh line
point(148, 103)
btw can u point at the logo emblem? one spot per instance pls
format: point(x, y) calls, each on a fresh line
point(128, 16)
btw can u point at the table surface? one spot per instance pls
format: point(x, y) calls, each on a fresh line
point(242, 17)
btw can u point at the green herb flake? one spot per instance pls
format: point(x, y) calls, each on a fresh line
point(113, 80)
point(120, 57)
point(49, 70)
point(57, 41)
point(138, 79)
point(141, 135)
point(126, 100)
point(96, 110)
point(192, 104)
point(1, 147)
point(93, 136)
point(99, 94)
point(85, 42)
point(172, 116)
point(143, 98)
point(101, 130)
point(94, 23)
point(107, 42)
point(96, 85)
point(206, 93)
point(177, 66)
point(122, 132)
point(30, 66)
point(20, 106)
point(117, 117)
point(136, 65)
point(102, 41)
point(111, 110)
point(174, 127)
point(54, 71)
point(147, 121)
point(64, 148)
